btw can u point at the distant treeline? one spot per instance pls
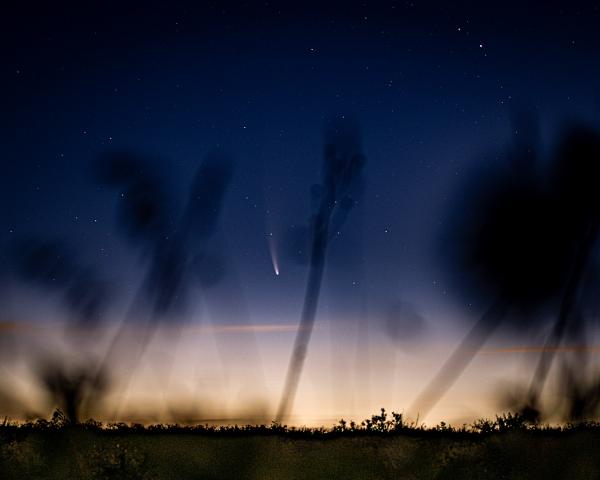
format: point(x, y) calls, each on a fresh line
point(382, 424)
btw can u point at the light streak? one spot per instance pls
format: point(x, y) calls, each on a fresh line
point(273, 252)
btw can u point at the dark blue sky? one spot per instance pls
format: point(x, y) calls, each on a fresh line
point(433, 87)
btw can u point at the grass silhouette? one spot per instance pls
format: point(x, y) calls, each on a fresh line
point(383, 446)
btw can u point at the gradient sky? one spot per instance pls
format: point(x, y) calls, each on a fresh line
point(432, 86)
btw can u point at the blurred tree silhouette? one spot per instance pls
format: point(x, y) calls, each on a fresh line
point(525, 239)
point(333, 199)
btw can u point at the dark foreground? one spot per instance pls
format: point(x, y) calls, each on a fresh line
point(488, 452)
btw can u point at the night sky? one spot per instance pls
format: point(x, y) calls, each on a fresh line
point(434, 88)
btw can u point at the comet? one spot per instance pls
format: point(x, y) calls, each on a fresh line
point(273, 252)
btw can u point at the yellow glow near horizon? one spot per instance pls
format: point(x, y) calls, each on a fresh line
point(236, 372)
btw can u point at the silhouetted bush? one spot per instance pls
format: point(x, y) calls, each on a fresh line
point(380, 424)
